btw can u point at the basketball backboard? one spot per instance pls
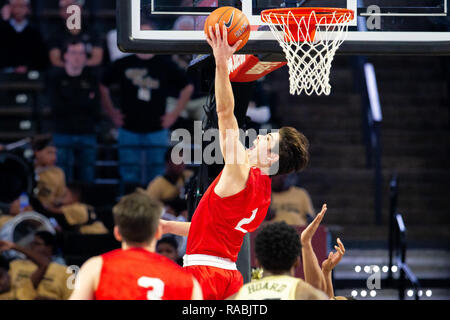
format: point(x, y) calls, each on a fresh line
point(379, 26)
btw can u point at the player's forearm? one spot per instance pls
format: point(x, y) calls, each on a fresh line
point(224, 91)
point(311, 269)
point(176, 227)
point(329, 290)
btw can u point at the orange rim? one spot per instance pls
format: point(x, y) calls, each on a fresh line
point(273, 15)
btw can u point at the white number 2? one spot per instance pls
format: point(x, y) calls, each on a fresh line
point(246, 221)
point(157, 287)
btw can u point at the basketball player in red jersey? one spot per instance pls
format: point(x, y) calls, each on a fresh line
point(135, 272)
point(238, 200)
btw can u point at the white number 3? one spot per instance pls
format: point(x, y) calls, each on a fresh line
point(246, 221)
point(157, 287)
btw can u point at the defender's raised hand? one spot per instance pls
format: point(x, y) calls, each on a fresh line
point(334, 257)
point(310, 230)
point(219, 43)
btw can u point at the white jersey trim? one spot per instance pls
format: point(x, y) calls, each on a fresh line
point(207, 260)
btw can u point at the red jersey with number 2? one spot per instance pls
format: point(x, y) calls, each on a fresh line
point(219, 225)
point(137, 274)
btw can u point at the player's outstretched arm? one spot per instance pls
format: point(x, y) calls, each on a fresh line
point(329, 264)
point(175, 227)
point(235, 174)
point(311, 268)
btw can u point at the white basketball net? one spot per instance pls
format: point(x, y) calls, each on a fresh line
point(309, 60)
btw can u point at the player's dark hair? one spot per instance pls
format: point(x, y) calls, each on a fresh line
point(293, 151)
point(277, 247)
point(137, 217)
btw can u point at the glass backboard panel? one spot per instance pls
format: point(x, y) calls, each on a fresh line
point(384, 26)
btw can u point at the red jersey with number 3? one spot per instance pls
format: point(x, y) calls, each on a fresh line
point(219, 225)
point(137, 274)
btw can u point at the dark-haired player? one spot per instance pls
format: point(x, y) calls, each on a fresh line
point(277, 248)
point(135, 272)
point(238, 200)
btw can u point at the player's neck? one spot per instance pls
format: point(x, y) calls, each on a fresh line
point(270, 274)
point(149, 247)
point(264, 170)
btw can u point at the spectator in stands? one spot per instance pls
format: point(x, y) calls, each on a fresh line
point(145, 81)
point(129, 272)
point(170, 186)
point(168, 247)
point(89, 37)
point(314, 275)
point(277, 249)
point(73, 215)
point(51, 185)
point(18, 36)
point(37, 277)
point(60, 201)
point(74, 98)
point(9, 211)
point(290, 203)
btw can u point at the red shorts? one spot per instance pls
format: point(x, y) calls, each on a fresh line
point(217, 283)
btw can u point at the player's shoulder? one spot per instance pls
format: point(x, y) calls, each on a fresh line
point(305, 291)
point(113, 254)
point(93, 263)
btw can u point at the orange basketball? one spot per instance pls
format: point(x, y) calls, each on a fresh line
point(236, 22)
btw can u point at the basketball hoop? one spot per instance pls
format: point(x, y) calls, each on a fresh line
point(309, 38)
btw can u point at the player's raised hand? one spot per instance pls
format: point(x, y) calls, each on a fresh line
point(310, 230)
point(219, 43)
point(334, 257)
